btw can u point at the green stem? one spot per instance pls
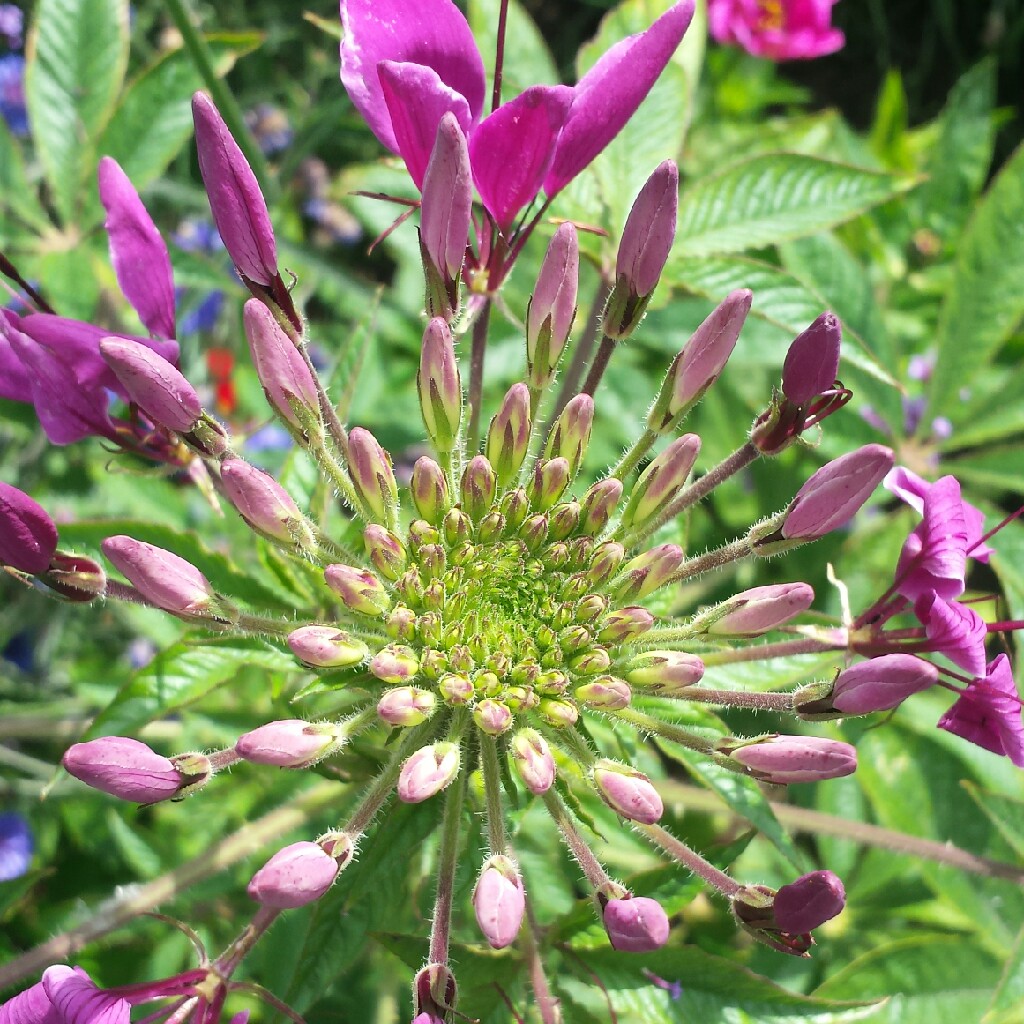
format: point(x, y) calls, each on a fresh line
point(712, 560)
point(582, 352)
point(600, 364)
point(779, 702)
point(666, 730)
point(547, 1004)
point(590, 865)
point(492, 793)
point(765, 652)
point(690, 859)
point(629, 461)
point(476, 376)
point(197, 49)
point(448, 854)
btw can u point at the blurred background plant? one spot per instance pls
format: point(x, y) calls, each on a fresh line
point(885, 182)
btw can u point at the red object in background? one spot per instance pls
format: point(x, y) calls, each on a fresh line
point(220, 364)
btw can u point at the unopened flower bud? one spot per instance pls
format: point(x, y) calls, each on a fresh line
point(667, 673)
point(570, 435)
point(785, 759)
point(28, 537)
point(127, 769)
point(264, 503)
point(445, 212)
point(878, 684)
point(661, 481)
point(812, 361)
point(756, 611)
point(605, 562)
point(457, 528)
point(361, 591)
point(478, 488)
point(598, 504)
point(296, 875)
point(809, 902)
point(492, 717)
point(832, 496)
point(427, 772)
point(559, 713)
point(456, 688)
point(395, 664)
point(238, 207)
point(499, 901)
point(647, 572)
point(290, 743)
point(628, 792)
point(532, 759)
point(406, 706)
point(372, 476)
point(385, 550)
point(643, 250)
point(287, 380)
point(548, 484)
point(509, 434)
point(700, 362)
point(326, 647)
point(161, 577)
point(624, 625)
point(401, 624)
point(433, 992)
point(636, 924)
point(75, 578)
point(153, 384)
point(591, 663)
point(606, 693)
point(439, 385)
point(552, 306)
point(429, 489)
point(534, 532)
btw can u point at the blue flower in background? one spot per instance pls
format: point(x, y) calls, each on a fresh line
point(12, 93)
point(12, 22)
point(15, 846)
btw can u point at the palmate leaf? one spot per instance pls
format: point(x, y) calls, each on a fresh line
point(77, 56)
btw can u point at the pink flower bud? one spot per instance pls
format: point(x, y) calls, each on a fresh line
point(429, 489)
point(552, 307)
point(560, 713)
point(153, 384)
point(810, 901)
point(757, 611)
point(478, 486)
point(570, 435)
point(326, 647)
point(881, 684)
point(700, 362)
point(439, 385)
point(647, 572)
point(76, 578)
point(509, 434)
point(294, 876)
point(598, 504)
point(606, 692)
point(532, 759)
point(372, 475)
point(161, 577)
point(361, 591)
point(548, 484)
point(832, 496)
point(628, 792)
point(263, 502)
point(238, 207)
point(492, 717)
point(395, 664)
point(605, 561)
point(667, 673)
point(290, 743)
point(624, 625)
point(445, 212)
point(649, 231)
point(499, 902)
point(386, 551)
point(661, 481)
point(427, 772)
point(125, 768)
point(785, 759)
point(286, 379)
point(28, 538)
point(812, 361)
point(406, 706)
point(636, 924)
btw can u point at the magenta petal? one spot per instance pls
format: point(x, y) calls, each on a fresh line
point(607, 96)
point(988, 713)
point(511, 150)
point(934, 557)
point(137, 251)
point(79, 1001)
point(954, 630)
point(14, 379)
point(417, 99)
point(28, 537)
point(433, 33)
point(29, 1007)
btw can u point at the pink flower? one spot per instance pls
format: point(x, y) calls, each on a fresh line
point(988, 713)
point(955, 630)
point(636, 924)
point(776, 29)
point(28, 538)
point(406, 65)
point(810, 901)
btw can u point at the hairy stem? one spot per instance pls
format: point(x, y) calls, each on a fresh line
point(476, 376)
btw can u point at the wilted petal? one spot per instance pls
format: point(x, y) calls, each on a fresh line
point(433, 33)
point(417, 98)
point(137, 251)
point(607, 96)
point(512, 149)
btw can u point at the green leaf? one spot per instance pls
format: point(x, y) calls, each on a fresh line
point(985, 302)
point(77, 56)
point(181, 675)
point(18, 200)
point(771, 199)
point(1005, 812)
point(711, 990)
point(154, 117)
point(1009, 994)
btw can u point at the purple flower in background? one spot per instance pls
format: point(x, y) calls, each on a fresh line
point(11, 24)
point(776, 29)
point(15, 846)
point(12, 93)
point(270, 127)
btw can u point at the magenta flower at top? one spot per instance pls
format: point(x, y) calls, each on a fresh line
point(406, 65)
point(776, 29)
point(988, 713)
